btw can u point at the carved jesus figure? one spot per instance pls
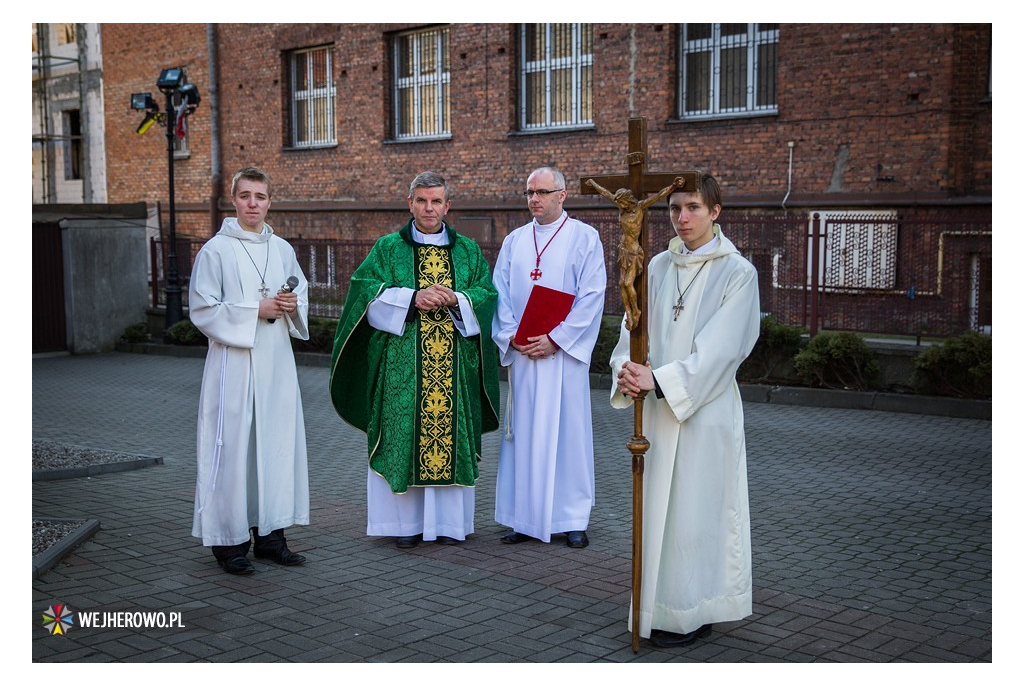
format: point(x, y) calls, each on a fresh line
point(631, 252)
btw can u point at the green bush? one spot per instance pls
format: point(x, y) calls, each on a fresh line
point(776, 345)
point(185, 333)
point(136, 333)
point(838, 360)
point(607, 339)
point(960, 367)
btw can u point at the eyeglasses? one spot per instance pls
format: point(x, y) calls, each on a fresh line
point(542, 193)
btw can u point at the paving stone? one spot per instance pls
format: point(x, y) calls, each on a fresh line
point(871, 534)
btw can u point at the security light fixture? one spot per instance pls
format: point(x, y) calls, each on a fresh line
point(144, 101)
point(171, 78)
point(191, 96)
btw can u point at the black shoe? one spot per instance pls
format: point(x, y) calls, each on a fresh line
point(275, 548)
point(408, 541)
point(577, 539)
point(663, 638)
point(282, 555)
point(240, 566)
point(514, 538)
point(445, 540)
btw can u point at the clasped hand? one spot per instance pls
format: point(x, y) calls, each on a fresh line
point(277, 306)
point(435, 296)
point(635, 379)
point(536, 347)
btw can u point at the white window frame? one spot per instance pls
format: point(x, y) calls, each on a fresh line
point(752, 40)
point(578, 63)
point(319, 114)
point(418, 85)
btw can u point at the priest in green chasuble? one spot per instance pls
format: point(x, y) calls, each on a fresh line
point(415, 369)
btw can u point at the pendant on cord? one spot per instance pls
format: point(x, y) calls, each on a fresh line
point(537, 273)
point(678, 308)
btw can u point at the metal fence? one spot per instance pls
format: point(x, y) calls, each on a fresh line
point(880, 273)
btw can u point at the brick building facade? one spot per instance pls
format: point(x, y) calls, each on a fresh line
point(864, 116)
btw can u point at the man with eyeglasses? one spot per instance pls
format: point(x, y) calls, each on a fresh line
point(546, 465)
point(414, 368)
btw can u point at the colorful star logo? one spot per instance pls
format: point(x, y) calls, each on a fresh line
point(58, 619)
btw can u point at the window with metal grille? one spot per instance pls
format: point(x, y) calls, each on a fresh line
point(420, 84)
point(727, 70)
point(857, 250)
point(180, 145)
point(556, 76)
point(312, 97)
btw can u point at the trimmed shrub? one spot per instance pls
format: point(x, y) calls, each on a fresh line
point(136, 333)
point(776, 345)
point(607, 339)
point(839, 360)
point(185, 333)
point(960, 367)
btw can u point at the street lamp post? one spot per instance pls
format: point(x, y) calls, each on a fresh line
point(182, 98)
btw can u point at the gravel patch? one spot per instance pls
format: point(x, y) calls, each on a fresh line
point(48, 533)
point(49, 456)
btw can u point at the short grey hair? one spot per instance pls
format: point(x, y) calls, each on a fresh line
point(559, 178)
point(429, 179)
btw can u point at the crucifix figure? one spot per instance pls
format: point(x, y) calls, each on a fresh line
point(631, 189)
point(632, 214)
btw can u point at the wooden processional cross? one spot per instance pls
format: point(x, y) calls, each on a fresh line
point(629, 196)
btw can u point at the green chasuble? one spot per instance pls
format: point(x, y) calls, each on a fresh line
point(423, 398)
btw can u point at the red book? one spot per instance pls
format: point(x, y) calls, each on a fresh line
point(545, 309)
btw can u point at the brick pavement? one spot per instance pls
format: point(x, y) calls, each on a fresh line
point(872, 541)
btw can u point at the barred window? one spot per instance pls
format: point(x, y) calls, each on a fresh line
point(420, 84)
point(857, 250)
point(181, 147)
point(727, 70)
point(312, 97)
point(556, 76)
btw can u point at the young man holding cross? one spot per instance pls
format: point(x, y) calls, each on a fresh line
point(703, 308)
point(546, 465)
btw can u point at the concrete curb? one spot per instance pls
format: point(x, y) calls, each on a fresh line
point(878, 401)
point(97, 469)
point(56, 552)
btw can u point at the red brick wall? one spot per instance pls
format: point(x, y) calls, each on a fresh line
point(878, 113)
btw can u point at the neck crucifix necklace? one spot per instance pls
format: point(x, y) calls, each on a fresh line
point(264, 291)
point(536, 273)
point(678, 307)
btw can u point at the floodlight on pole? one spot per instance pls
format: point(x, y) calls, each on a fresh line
point(182, 99)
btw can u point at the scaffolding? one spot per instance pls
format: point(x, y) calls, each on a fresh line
point(44, 64)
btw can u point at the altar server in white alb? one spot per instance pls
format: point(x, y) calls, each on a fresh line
point(704, 320)
point(248, 296)
point(546, 465)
